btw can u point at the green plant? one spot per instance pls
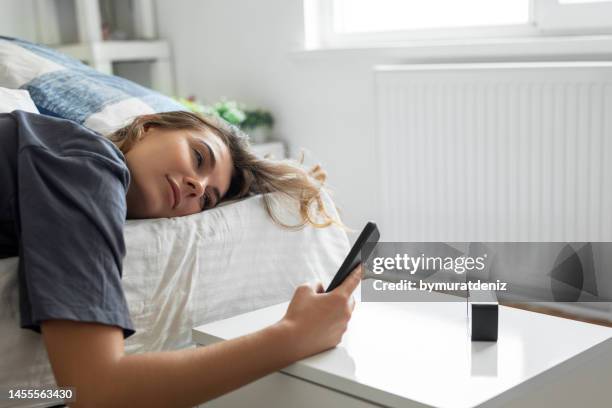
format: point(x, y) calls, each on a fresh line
point(256, 118)
point(228, 110)
point(232, 112)
point(195, 107)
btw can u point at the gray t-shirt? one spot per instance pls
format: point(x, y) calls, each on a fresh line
point(62, 211)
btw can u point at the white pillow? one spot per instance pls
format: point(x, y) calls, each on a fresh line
point(13, 99)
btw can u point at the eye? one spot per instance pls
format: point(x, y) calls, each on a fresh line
point(199, 157)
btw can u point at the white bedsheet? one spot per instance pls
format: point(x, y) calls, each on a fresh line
point(183, 272)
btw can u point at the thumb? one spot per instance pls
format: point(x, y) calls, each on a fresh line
point(351, 282)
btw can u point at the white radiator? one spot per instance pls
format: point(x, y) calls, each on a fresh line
point(496, 152)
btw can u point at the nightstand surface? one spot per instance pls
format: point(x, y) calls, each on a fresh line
point(407, 354)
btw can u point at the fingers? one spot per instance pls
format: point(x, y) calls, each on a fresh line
point(351, 282)
point(311, 288)
point(304, 288)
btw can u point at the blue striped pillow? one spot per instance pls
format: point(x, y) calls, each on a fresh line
point(65, 87)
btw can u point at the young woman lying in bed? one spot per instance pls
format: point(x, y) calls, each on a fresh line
point(65, 194)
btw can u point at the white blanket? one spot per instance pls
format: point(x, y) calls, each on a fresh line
point(182, 272)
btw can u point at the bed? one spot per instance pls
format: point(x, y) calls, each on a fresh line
point(183, 272)
point(178, 272)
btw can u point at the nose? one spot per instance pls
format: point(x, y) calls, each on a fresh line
point(195, 187)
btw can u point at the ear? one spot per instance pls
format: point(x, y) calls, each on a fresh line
point(146, 130)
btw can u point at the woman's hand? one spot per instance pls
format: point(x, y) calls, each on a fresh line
point(318, 320)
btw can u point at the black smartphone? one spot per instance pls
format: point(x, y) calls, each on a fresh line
point(357, 253)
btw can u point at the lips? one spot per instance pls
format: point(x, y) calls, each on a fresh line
point(175, 192)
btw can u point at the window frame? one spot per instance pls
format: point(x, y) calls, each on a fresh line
point(573, 18)
point(545, 17)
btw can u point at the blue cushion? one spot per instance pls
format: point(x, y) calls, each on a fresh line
point(65, 87)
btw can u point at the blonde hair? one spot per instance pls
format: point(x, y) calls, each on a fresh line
point(252, 175)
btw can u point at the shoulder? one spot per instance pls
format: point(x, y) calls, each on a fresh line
point(68, 143)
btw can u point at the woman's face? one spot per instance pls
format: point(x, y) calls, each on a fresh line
point(176, 173)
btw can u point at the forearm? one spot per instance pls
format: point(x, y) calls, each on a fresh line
point(188, 377)
point(90, 356)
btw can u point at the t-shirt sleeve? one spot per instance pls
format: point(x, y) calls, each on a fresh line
point(71, 215)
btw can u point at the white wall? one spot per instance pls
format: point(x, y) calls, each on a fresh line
point(245, 50)
point(17, 19)
point(324, 101)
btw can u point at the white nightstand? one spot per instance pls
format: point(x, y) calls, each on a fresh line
point(275, 149)
point(419, 354)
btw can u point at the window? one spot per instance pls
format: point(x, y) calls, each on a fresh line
point(354, 16)
point(337, 23)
